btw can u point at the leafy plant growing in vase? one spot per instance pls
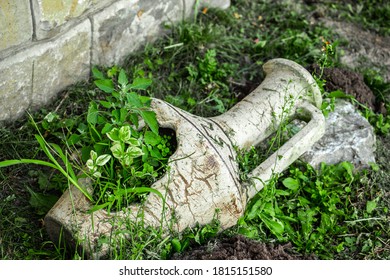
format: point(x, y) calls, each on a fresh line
point(122, 149)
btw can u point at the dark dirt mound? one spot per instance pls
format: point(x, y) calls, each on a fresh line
point(351, 83)
point(241, 248)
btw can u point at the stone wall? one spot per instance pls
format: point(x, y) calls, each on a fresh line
point(47, 45)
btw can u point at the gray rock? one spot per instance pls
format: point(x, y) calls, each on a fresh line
point(348, 137)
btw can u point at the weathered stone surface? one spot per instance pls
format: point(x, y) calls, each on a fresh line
point(35, 75)
point(61, 63)
point(15, 23)
point(51, 16)
point(222, 4)
point(348, 137)
point(126, 25)
point(15, 86)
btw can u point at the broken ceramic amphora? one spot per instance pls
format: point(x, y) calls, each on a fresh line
point(202, 175)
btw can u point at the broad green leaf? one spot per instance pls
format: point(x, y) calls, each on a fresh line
point(248, 231)
point(254, 209)
point(281, 193)
point(73, 139)
point(146, 100)
point(122, 78)
point(349, 168)
point(370, 206)
point(134, 100)
point(151, 120)
point(107, 128)
point(275, 225)
point(339, 94)
point(151, 138)
point(85, 152)
point(141, 83)
point(286, 218)
point(291, 184)
point(82, 128)
point(105, 104)
point(113, 135)
point(123, 113)
point(134, 119)
point(176, 245)
point(268, 208)
point(117, 115)
point(155, 153)
point(41, 202)
point(105, 85)
point(92, 115)
point(97, 74)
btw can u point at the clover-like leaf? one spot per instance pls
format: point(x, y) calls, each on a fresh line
point(113, 135)
point(97, 174)
point(124, 133)
point(127, 160)
point(117, 150)
point(103, 159)
point(90, 165)
point(133, 142)
point(93, 155)
point(134, 152)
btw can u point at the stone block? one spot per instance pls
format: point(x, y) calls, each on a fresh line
point(15, 86)
point(35, 75)
point(126, 25)
point(15, 23)
point(61, 62)
point(51, 17)
point(348, 137)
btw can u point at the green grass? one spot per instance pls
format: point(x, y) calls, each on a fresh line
point(205, 67)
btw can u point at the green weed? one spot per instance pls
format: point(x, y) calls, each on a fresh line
point(318, 211)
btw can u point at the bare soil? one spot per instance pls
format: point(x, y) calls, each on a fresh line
point(241, 248)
